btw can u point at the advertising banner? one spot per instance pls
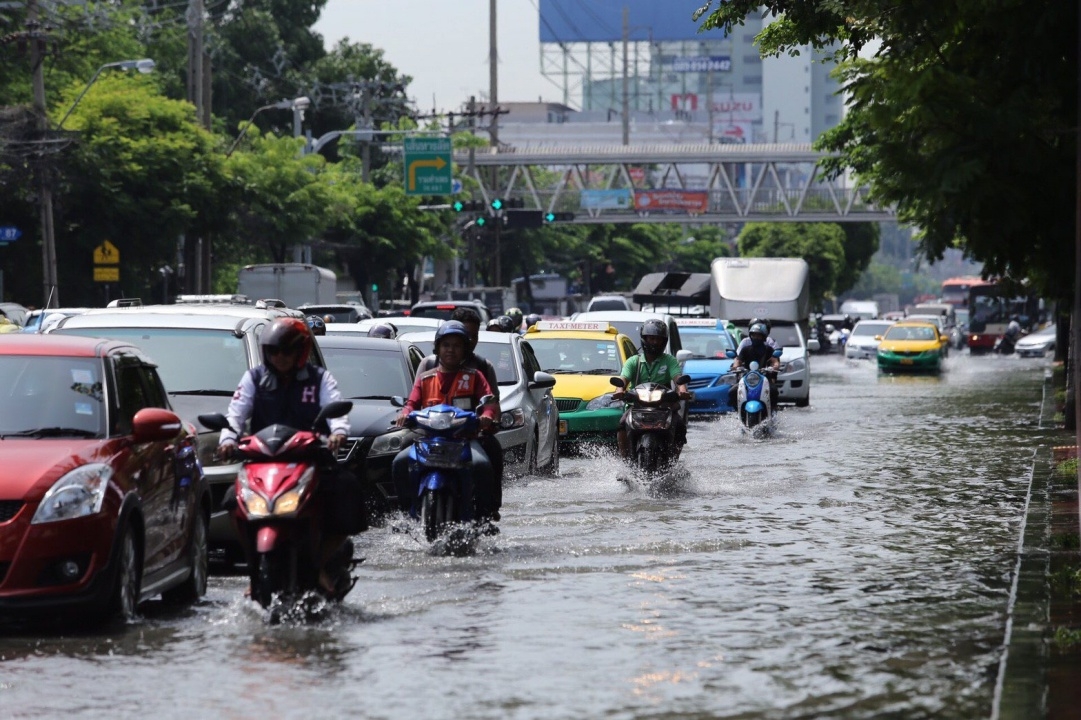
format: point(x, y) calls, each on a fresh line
point(717, 63)
point(621, 199)
point(737, 106)
point(695, 202)
point(567, 21)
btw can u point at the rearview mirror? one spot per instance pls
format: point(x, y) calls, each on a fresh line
point(214, 421)
point(542, 380)
point(730, 354)
point(778, 352)
point(682, 379)
point(684, 355)
point(619, 382)
point(397, 401)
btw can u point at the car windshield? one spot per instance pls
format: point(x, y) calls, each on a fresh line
point(190, 360)
point(910, 333)
point(337, 314)
point(608, 304)
point(443, 312)
point(869, 329)
point(706, 344)
point(502, 356)
point(51, 396)
point(564, 355)
point(368, 372)
point(785, 336)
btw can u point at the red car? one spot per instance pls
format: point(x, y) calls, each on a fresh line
point(103, 502)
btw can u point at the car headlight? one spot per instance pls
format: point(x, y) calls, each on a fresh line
point(729, 379)
point(511, 419)
point(391, 443)
point(603, 402)
point(797, 365)
point(78, 494)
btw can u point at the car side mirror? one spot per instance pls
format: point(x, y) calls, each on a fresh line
point(684, 355)
point(397, 401)
point(813, 345)
point(878, 338)
point(619, 382)
point(155, 425)
point(542, 380)
point(211, 421)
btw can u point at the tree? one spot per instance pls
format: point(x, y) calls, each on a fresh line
point(861, 243)
point(964, 118)
point(820, 244)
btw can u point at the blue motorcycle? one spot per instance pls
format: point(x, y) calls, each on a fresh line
point(441, 463)
point(753, 396)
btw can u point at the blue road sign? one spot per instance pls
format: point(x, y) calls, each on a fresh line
point(9, 233)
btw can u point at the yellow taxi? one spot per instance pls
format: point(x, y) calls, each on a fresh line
point(582, 356)
point(912, 346)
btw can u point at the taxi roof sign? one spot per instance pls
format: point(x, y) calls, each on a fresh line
point(698, 322)
point(581, 326)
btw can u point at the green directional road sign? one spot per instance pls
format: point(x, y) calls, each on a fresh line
point(427, 166)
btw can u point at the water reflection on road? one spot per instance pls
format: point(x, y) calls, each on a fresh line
point(857, 564)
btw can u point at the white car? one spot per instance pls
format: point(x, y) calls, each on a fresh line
point(403, 324)
point(1036, 344)
point(794, 378)
point(861, 344)
point(529, 427)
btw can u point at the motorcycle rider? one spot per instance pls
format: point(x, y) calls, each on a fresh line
point(651, 364)
point(515, 314)
point(756, 348)
point(471, 319)
point(454, 381)
point(532, 319)
point(288, 389)
point(316, 324)
point(747, 340)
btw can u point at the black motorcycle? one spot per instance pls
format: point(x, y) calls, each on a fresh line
point(651, 424)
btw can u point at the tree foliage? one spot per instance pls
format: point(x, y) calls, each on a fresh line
point(965, 118)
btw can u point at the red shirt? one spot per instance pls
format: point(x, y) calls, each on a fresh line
point(463, 388)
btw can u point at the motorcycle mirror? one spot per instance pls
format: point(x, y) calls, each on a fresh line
point(683, 379)
point(334, 409)
point(730, 354)
point(777, 353)
point(487, 400)
point(397, 401)
point(618, 382)
point(214, 421)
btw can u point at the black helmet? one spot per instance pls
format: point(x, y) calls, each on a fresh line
point(289, 334)
point(532, 319)
point(451, 327)
point(764, 321)
point(493, 325)
point(383, 330)
point(653, 328)
point(506, 324)
point(761, 329)
point(316, 325)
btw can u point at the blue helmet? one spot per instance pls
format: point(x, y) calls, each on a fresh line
point(758, 327)
point(451, 327)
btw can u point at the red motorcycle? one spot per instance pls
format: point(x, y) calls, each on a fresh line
point(277, 510)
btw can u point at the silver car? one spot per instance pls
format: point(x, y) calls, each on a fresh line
point(862, 343)
point(794, 378)
point(529, 428)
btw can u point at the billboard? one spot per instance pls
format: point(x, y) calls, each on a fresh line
point(694, 202)
point(568, 21)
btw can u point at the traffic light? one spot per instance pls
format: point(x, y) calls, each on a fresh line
point(467, 205)
point(551, 217)
point(497, 204)
point(513, 219)
point(481, 221)
point(375, 287)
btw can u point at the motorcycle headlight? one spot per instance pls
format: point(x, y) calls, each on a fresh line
point(511, 419)
point(391, 443)
point(796, 365)
point(254, 503)
point(78, 494)
point(603, 402)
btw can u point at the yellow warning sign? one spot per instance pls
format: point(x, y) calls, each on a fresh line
point(106, 254)
point(106, 274)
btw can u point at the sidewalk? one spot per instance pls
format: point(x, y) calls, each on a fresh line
point(1038, 676)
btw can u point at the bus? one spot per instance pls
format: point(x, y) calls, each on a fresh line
point(990, 310)
point(955, 290)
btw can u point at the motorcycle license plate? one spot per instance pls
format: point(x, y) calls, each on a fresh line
point(562, 427)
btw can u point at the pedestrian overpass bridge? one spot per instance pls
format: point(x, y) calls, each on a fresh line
point(692, 184)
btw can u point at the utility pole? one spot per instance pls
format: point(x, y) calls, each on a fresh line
point(626, 89)
point(198, 95)
point(366, 148)
point(48, 237)
point(493, 101)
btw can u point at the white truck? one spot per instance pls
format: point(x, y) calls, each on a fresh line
point(777, 290)
point(295, 284)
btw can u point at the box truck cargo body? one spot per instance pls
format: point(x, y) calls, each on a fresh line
point(774, 288)
point(295, 284)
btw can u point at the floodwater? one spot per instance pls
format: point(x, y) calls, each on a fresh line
point(855, 565)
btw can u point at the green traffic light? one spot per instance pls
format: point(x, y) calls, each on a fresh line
point(481, 220)
point(458, 206)
point(549, 217)
point(497, 204)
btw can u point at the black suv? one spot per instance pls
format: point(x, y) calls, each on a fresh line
point(202, 351)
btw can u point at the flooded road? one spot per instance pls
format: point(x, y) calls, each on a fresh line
point(857, 565)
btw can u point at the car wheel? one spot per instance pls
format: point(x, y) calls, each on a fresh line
point(804, 402)
point(552, 468)
point(129, 577)
point(194, 587)
point(531, 456)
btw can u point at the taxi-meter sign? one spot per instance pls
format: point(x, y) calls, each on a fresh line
point(581, 326)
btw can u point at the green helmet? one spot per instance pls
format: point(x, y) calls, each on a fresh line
point(515, 314)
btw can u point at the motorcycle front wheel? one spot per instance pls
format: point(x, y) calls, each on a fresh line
point(267, 579)
point(436, 511)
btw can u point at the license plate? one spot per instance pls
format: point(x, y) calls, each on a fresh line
point(562, 427)
point(906, 361)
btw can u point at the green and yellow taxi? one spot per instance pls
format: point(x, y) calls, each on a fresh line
point(912, 346)
point(583, 357)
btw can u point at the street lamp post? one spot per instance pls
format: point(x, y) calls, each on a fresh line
point(297, 105)
point(48, 235)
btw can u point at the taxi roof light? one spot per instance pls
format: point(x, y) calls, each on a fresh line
point(580, 326)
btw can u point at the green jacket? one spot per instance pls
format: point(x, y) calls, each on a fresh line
point(663, 370)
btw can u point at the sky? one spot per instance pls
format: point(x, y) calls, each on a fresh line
point(443, 46)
